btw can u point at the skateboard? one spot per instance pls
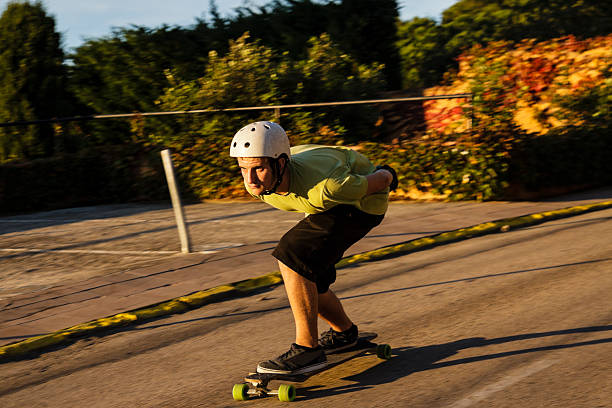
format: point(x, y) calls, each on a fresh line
point(258, 384)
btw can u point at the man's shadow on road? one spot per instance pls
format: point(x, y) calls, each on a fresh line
point(409, 360)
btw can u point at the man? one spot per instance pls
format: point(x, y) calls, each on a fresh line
point(344, 196)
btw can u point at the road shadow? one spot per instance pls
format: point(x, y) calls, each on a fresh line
point(249, 313)
point(232, 253)
point(475, 278)
point(409, 360)
point(9, 224)
point(139, 233)
point(603, 193)
point(24, 222)
point(19, 338)
point(579, 222)
point(403, 234)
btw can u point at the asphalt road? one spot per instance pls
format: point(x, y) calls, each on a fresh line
point(522, 318)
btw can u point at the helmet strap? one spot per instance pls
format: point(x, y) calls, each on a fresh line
point(278, 172)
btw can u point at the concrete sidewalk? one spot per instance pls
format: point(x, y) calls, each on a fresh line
point(61, 306)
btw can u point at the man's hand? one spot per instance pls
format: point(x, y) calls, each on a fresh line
point(383, 177)
point(394, 182)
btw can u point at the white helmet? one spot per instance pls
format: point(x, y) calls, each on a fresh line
point(260, 139)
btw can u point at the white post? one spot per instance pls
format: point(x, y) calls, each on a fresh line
point(176, 202)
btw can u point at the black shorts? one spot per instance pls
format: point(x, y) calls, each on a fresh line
point(314, 245)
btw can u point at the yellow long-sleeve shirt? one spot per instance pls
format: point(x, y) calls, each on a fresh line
point(322, 177)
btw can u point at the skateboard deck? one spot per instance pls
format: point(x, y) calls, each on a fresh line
point(258, 384)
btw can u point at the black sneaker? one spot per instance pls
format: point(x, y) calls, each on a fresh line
point(332, 341)
point(298, 360)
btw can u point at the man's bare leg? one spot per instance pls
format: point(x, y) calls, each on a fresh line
point(303, 298)
point(331, 310)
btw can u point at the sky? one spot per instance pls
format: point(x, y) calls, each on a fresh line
point(81, 19)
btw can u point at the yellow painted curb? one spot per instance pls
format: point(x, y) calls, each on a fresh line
point(244, 287)
point(202, 297)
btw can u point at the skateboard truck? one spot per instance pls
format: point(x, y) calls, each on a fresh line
point(242, 392)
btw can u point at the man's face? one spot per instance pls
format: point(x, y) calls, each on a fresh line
point(257, 173)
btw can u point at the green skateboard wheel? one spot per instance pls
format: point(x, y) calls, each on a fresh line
point(383, 351)
point(286, 393)
point(240, 392)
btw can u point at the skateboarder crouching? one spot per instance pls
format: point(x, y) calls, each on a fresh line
point(344, 196)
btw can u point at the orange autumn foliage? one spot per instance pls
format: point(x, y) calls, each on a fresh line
point(523, 84)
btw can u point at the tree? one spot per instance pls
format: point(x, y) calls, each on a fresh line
point(32, 79)
point(421, 48)
point(281, 24)
point(124, 72)
point(364, 29)
point(470, 22)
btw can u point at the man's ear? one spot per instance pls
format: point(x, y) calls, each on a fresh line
point(284, 162)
